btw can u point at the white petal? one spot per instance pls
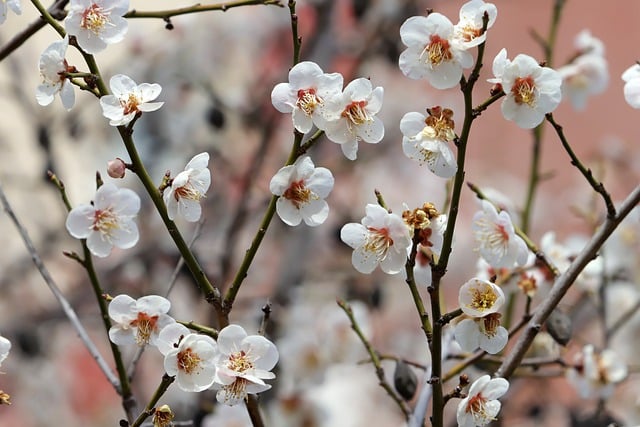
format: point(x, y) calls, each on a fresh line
point(80, 221)
point(467, 335)
point(230, 337)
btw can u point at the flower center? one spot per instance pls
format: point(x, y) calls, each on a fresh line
point(239, 362)
point(187, 192)
point(437, 51)
point(489, 324)
point(524, 91)
point(469, 32)
point(482, 299)
point(130, 104)
point(298, 194)
point(308, 100)
point(235, 391)
point(477, 408)
point(94, 19)
point(188, 361)
point(492, 236)
point(146, 326)
point(356, 114)
point(105, 221)
point(378, 241)
point(439, 124)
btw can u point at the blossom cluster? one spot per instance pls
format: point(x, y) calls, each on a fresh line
point(235, 364)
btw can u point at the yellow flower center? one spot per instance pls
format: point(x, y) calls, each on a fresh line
point(188, 361)
point(130, 105)
point(524, 91)
point(308, 100)
point(489, 324)
point(240, 362)
point(437, 51)
point(105, 221)
point(187, 192)
point(482, 298)
point(356, 114)
point(299, 194)
point(94, 19)
point(378, 241)
point(476, 406)
point(146, 326)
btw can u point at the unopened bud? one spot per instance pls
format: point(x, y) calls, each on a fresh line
point(116, 168)
point(559, 326)
point(405, 380)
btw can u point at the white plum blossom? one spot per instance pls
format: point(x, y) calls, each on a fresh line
point(351, 116)
point(5, 347)
point(596, 373)
point(52, 66)
point(243, 363)
point(433, 52)
point(305, 95)
point(108, 221)
point(587, 44)
point(382, 238)
point(138, 321)
point(468, 31)
point(425, 139)
point(478, 298)
point(97, 23)
point(481, 406)
point(183, 196)
point(587, 75)
point(302, 188)
point(531, 90)
point(631, 78)
point(14, 5)
point(129, 99)
point(482, 332)
point(498, 243)
point(188, 356)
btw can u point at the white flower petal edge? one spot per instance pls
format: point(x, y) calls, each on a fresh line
point(481, 406)
point(138, 321)
point(5, 347)
point(14, 5)
point(51, 64)
point(188, 188)
point(302, 188)
point(97, 23)
point(108, 222)
point(128, 100)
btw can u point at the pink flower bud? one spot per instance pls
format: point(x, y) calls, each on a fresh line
point(116, 168)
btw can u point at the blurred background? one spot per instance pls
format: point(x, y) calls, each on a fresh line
point(217, 70)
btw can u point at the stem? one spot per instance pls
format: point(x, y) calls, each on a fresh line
point(415, 293)
point(166, 14)
point(150, 409)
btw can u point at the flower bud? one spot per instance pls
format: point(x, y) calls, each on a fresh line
point(116, 168)
point(404, 380)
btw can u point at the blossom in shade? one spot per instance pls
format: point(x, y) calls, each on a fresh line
point(138, 321)
point(108, 221)
point(97, 23)
point(497, 241)
point(302, 188)
point(596, 373)
point(52, 66)
point(481, 406)
point(351, 117)
point(482, 332)
point(306, 93)
point(468, 31)
point(433, 52)
point(188, 356)
point(183, 196)
point(243, 363)
point(426, 138)
point(5, 347)
point(14, 5)
point(382, 238)
point(129, 99)
point(531, 90)
point(478, 298)
point(631, 78)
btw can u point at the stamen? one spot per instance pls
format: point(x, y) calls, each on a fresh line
point(524, 91)
point(299, 194)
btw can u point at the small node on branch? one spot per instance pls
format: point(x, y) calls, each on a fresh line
point(168, 24)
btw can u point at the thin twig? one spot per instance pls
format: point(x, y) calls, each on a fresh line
point(563, 283)
point(55, 290)
point(166, 14)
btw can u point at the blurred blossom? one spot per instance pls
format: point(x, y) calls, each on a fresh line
point(478, 298)
point(468, 31)
point(595, 374)
point(485, 333)
point(305, 95)
point(481, 406)
point(631, 78)
point(302, 188)
point(531, 90)
point(183, 196)
point(5, 347)
point(228, 416)
point(498, 243)
point(243, 363)
point(188, 356)
point(129, 99)
point(433, 52)
point(351, 116)
point(587, 44)
point(52, 66)
point(108, 221)
point(382, 238)
point(97, 23)
point(14, 5)
point(138, 321)
point(426, 139)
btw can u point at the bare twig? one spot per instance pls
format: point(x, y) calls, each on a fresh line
point(55, 290)
point(563, 283)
